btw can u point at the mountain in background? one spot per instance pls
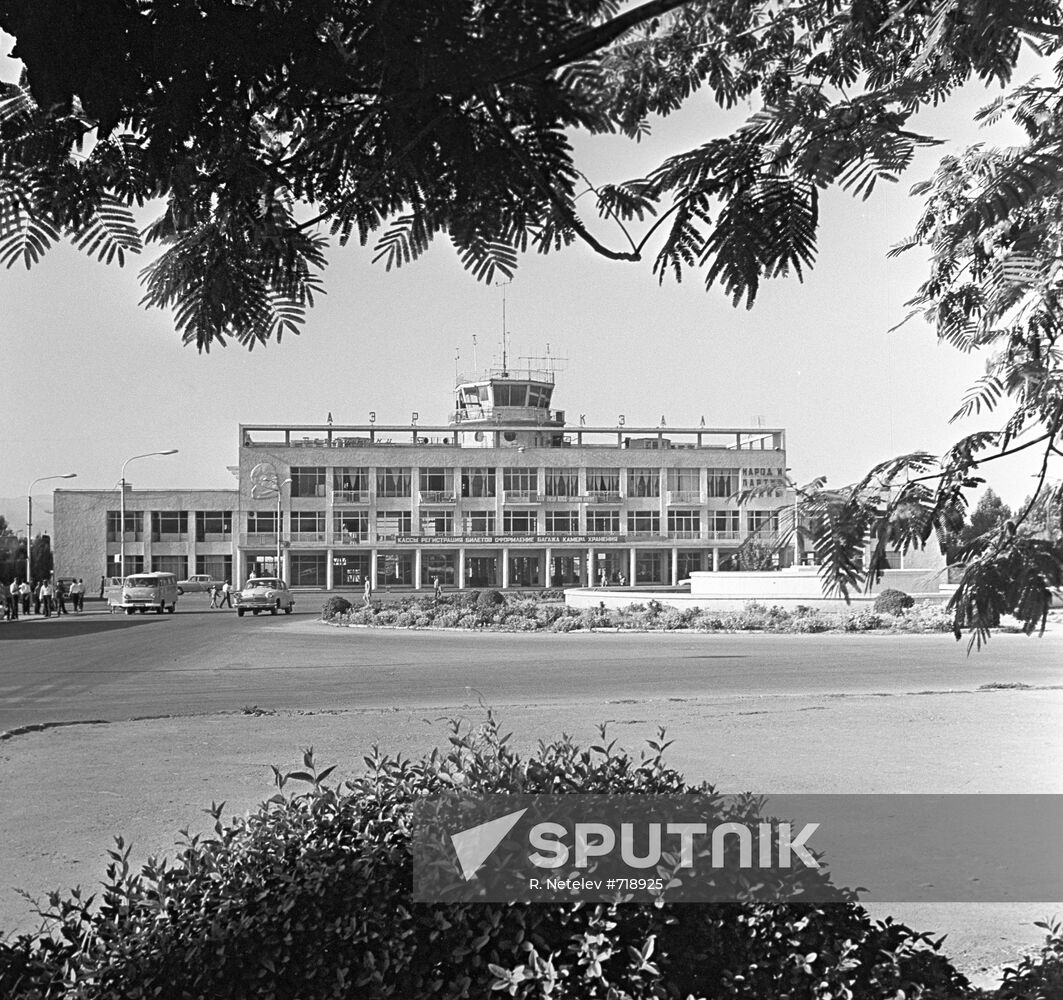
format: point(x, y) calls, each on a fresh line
point(14, 509)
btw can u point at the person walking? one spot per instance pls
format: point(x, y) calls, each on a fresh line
point(103, 584)
point(367, 593)
point(226, 595)
point(14, 599)
point(437, 586)
point(46, 598)
point(81, 594)
point(26, 593)
point(60, 598)
point(36, 588)
point(214, 595)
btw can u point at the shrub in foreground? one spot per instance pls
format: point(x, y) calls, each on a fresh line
point(309, 897)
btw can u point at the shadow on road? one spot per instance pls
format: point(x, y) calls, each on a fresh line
point(70, 628)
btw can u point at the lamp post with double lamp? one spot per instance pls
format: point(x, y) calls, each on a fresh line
point(121, 505)
point(29, 519)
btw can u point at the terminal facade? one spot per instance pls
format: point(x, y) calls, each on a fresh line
point(506, 494)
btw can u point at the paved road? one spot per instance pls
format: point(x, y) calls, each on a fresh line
point(200, 662)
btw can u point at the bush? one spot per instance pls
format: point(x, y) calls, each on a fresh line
point(335, 606)
point(309, 897)
point(490, 599)
point(893, 602)
point(862, 621)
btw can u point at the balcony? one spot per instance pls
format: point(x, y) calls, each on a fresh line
point(350, 496)
point(436, 496)
point(644, 533)
point(733, 535)
point(258, 538)
point(602, 496)
point(520, 496)
point(684, 496)
point(572, 497)
point(685, 533)
point(349, 537)
point(307, 536)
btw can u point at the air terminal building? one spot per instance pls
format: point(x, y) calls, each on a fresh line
point(508, 494)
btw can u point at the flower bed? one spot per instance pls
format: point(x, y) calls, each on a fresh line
point(492, 611)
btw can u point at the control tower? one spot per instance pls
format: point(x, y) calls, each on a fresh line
point(507, 408)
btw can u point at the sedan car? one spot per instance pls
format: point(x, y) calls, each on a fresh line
point(198, 584)
point(264, 593)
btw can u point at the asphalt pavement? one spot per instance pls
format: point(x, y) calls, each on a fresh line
point(201, 661)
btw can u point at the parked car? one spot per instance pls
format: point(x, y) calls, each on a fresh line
point(112, 592)
point(198, 584)
point(264, 593)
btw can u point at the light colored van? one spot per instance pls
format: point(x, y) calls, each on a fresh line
point(144, 591)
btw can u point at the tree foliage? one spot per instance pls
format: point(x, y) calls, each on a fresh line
point(263, 123)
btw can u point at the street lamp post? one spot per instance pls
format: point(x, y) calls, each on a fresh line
point(280, 494)
point(121, 505)
point(29, 518)
point(797, 540)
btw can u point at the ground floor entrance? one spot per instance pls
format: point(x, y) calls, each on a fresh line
point(511, 566)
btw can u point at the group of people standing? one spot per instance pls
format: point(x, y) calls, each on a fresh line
point(45, 597)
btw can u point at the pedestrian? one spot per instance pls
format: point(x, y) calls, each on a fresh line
point(214, 595)
point(623, 580)
point(36, 588)
point(226, 599)
point(60, 598)
point(602, 579)
point(81, 595)
point(13, 601)
point(367, 593)
point(437, 586)
point(26, 592)
point(46, 598)
point(103, 585)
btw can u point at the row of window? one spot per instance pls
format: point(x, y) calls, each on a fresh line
point(442, 522)
point(217, 525)
point(481, 481)
point(210, 525)
point(398, 569)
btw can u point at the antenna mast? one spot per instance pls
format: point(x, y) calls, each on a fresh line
point(502, 285)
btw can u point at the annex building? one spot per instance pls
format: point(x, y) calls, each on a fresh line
point(506, 494)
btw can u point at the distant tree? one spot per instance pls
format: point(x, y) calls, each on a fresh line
point(988, 517)
point(757, 554)
point(42, 562)
point(1045, 517)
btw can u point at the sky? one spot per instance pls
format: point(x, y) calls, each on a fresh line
point(88, 378)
